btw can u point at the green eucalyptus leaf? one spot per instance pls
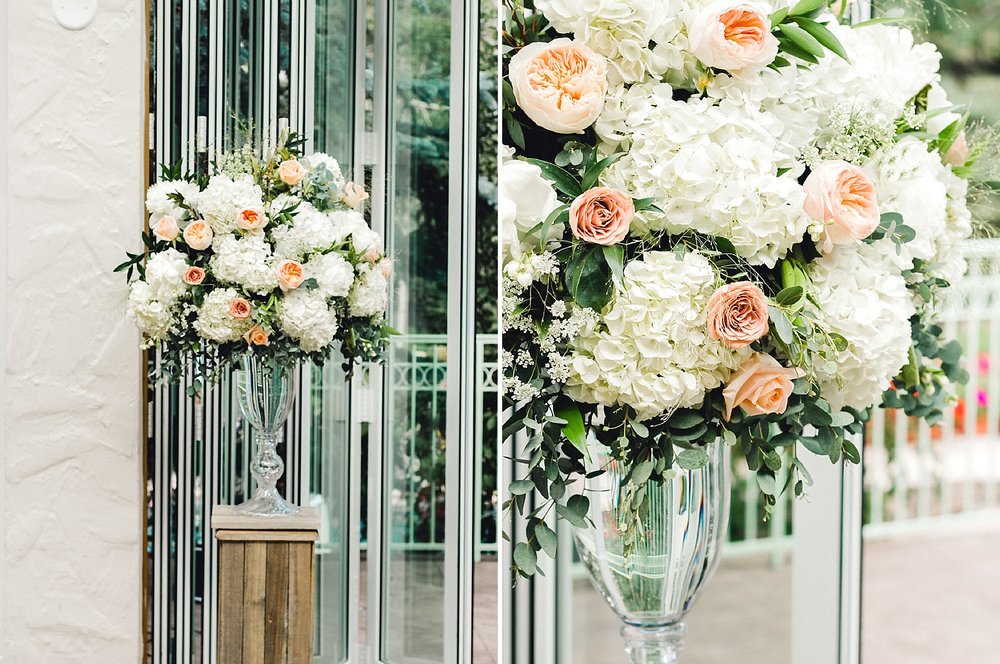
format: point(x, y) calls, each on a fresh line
point(525, 558)
point(692, 459)
point(547, 539)
point(521, 487)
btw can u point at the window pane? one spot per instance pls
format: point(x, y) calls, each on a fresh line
point(417, 219)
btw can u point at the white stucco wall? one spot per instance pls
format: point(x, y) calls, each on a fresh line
point(72, 505)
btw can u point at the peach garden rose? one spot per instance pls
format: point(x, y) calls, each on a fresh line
point(559, 84)
point(842, 197)
point(166, 228)
point(256, 336)
point(193, 276)
point(737, 314)
point(760, 386)
point(354, 195)
point(601, 215)
point(290, 275)
point(239, 308)
point(291, 172)
point(733, 37)
point(198, 235)
point(251, 219)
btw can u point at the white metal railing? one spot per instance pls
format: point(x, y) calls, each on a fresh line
point(918, 476)
point(419, 378)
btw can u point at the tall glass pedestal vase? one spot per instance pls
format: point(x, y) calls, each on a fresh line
point(267, 392)
point(653, 586)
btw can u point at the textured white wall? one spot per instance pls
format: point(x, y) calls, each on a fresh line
point(73, 499)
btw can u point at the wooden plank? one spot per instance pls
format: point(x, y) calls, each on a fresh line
point(276, 604)
point(224, 517)
point(267, 535)
point(231, 603)
point(254, 588)
point(300, 603)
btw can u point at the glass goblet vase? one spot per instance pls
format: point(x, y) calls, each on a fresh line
point(652, 583)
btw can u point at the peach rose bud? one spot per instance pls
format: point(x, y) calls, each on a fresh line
point(354, 195)
point(239, 308)
point(559, 84)
point(251, 219)
point(386, 267)
point(601, 215)
point(291, 172)
point(373, 254)
point(958, 153)
point(194, 276)
point(198, 235)
point(737, 314)
point(290, 275)
point(761, 386)
point(166, 228)
point(256, 336)
point(733, 37)
point(842, 198)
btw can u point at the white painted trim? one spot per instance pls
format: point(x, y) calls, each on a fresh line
point(816, 566)
point(462, 380)
point(3, 316)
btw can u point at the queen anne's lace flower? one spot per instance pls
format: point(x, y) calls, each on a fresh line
point(862, 297)
point(653, 352)
point(214, 320)
point(305, 316)
point(245, 261)
point(224, 198)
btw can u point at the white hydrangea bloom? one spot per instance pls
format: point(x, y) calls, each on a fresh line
point(370, 294)
point(158, 201)
point(245, 261)
point(311, 162)
point(214, 321)
point(863, 297)
point(949, 262)
point(224, 198)
point(712, 168)
point(803, 99)
point(305, 316)
point(639, 38)
point(151, 316)
point(891, 65)
point(313, 230)
point(911, 180)
point(282, 202)
point(165, 275)
point(654, 352)
point(332, 272)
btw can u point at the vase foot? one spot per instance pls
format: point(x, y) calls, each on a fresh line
point(266, 505)
point(653, 644)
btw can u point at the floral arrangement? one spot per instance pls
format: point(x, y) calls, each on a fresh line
point(722, 223)
point(269, 254)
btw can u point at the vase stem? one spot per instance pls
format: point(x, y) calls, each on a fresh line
point(653, 644)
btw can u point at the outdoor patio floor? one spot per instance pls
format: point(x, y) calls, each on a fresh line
point(926, 599)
